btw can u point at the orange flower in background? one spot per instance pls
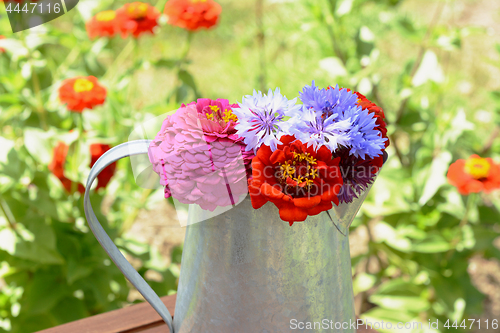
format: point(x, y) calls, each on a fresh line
point(103, 24)
point(474, 175)
point(137, 18)
point(193, 15)
point(56, 166)
point(82, 93)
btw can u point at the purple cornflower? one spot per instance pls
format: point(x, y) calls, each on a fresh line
point(261, 118)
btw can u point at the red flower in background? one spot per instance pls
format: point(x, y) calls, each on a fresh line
point(297, 179)
point(56, 166)
point(82, 93)
point(193, 15)
point(474, 175)
point(103, 24)
point(137, 18)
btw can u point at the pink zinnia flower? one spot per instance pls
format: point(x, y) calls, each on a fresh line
point(199, 157)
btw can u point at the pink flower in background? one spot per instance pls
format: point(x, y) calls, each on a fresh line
point(199, 157)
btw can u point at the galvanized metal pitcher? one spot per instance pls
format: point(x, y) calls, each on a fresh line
point(247, 271)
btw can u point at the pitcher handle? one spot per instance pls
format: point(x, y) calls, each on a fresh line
point(113, 155)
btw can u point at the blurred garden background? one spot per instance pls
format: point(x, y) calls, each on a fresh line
point(420, 250)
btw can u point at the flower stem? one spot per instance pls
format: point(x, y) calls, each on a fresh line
point(261, 39)
point(420, 57)
point(180, 63)
point(70, 59)
point(471, 199)
point(79, 124)
point(4, 208)
point(330, 24)
point(36, 87)
point(114, 67)
point(491, 140)
point(187, 47)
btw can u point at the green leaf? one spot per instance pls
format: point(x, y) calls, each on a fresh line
point(363, 282)
point(437, 176)
point(181, 93)
point(364, 41)
point(177, 254)
point(344, 8)
point(388, 315)
point(429, 70)
point(78, 161)
point(188, 80)
point(70, 309)
point(433, 244)
point(41, 249)
point(27, 322)
point(392, 237)
point(37, 142)
point(7, 146)
point(407, 303)
point(44, 291)
point(168, 63)
point(77, 270)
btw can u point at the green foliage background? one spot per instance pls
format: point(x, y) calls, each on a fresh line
point(408, 56)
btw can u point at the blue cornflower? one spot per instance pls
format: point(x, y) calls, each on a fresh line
point(332, 118)
point(364, 138)
point(327, 101)
point(261, 118)
point(312, 129)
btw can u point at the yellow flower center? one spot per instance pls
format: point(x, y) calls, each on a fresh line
point(300, 169)
point(216, 115)
point(229, 116)
point(137, 10)
point(106, 16)
point(477, 167)
point(82, 85)
point(196, 1)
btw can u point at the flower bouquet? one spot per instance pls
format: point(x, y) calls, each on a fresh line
point(303, 158)
point(243, 270)
point(244, 169)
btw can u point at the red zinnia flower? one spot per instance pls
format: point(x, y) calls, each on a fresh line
point(137, 18)
point(82, 93)
point(474, 175)
point(96, 151)
point(297, 179)
point(102, 24)
point(193, 15)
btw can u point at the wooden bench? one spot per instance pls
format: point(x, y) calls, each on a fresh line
point(136, 318)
